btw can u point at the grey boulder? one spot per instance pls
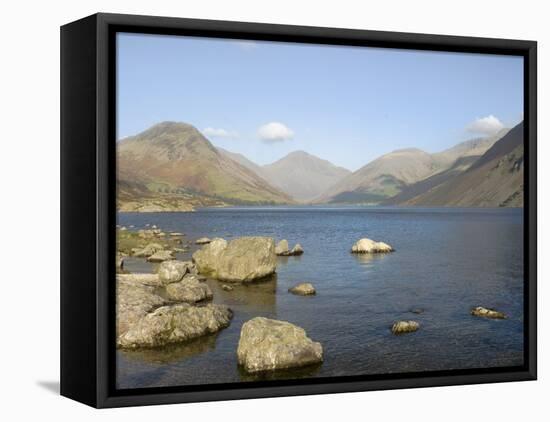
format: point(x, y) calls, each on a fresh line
point(268, 344)
point(175, 324)
point(243, 259)
point(189, 290)
point(173, 271)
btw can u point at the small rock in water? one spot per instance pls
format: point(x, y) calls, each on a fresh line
point(202, 241)
point(417, 310)
point(119, 262)
point(227, 287)
point(401, 327)
point(480, 311)
point(282, 248)
point(161, 256)
point(303, 289)
point(370, 246)
point(268, 344)
point(297, 250)
point(176, 234)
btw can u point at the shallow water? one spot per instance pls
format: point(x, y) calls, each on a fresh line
point(446, 262)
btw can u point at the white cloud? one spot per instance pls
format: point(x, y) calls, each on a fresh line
point(219, 133)
point(275, 132)
point(485, 125)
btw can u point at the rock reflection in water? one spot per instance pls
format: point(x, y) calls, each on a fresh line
point(260, 294)
point(173, 352)
point(282, 374)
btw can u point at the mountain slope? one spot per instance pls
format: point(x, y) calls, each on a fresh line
point(175, 158)
point(243, 161)
point(382, 178)
point(401, 170)
point(303, 176)
point(495, 179)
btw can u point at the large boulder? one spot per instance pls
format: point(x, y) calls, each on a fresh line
point(370, 246)
point(268, 344)
point(303, 289)
point(189, 290)
point(173, 271)
point(134, 300)
point(174, 324)
point(243, 259)
point(480, 311)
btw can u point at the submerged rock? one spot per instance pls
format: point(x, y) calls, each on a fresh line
point(161, 256)
point(202, 241)
point(174, 324)
point(268, 344)
point(370, 246)
point(303, 289)
point(189, 290)
point(148, 250)
point(480, 311)
point(173, 271)
point(402, 327)
point(243, 259)
point(227, 287)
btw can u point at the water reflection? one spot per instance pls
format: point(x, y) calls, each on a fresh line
point(260, 294)
point(282, 374)
point(368, 259)
point(173, 352)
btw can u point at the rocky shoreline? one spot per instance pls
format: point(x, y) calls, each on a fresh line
point(174, 304)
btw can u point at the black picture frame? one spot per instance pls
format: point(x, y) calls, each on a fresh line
point(88, 213)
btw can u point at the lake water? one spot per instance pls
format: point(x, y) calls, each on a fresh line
point(446, 262)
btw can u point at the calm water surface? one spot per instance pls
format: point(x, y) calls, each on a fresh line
point(446, 262)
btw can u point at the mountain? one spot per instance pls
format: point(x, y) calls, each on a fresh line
point(472, 148)
point(382, 178)
point(494, 180)
point(243, 161)
point(453, 162)
point(394, 173)
point(303, 176)
point(174, 160)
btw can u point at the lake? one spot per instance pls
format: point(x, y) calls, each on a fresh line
point(446, 261)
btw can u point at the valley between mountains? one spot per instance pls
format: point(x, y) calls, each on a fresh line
point(173, 167)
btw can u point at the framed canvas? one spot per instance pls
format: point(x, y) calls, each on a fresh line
point(255, 210)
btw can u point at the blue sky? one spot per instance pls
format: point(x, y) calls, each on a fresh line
point(348, 105)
